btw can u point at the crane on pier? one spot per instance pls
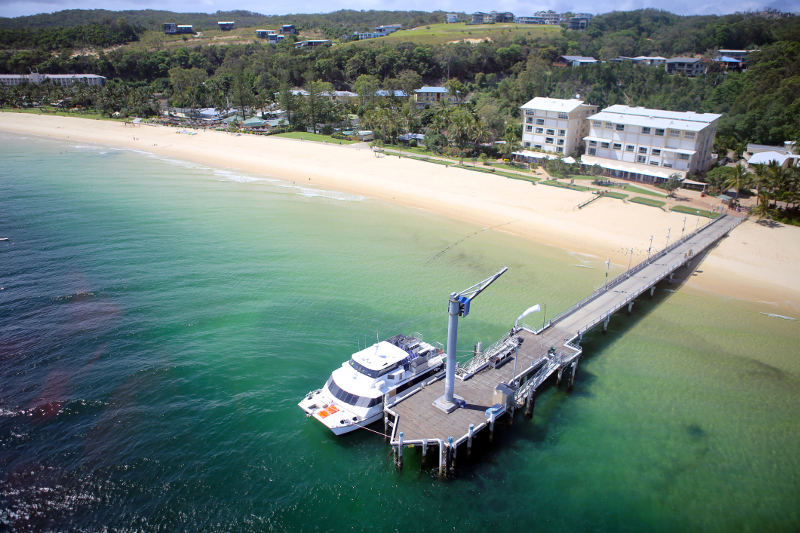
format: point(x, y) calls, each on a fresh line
point(459, 305)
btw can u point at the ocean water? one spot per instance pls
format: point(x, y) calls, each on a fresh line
point(159, 322)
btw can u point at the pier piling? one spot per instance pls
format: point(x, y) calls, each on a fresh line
point(469, 438)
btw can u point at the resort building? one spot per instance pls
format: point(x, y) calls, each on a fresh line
point(690, 66)
point(65, 80)
point(554, 125)
point(271, 36)
point(650, 145)
point(550, 17)
point(288, 28)
point(226, 25)
point(451, 18)
point(426, 96)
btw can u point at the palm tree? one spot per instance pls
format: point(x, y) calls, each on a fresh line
point(738, 180)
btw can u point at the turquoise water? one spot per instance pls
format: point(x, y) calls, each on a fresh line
point(159, 322)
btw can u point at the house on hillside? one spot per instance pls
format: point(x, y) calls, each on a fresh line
point(579, 61)
point(689, 66)
point(506, 16)
point(226, 25)
point(479, 17)
point(554, 125)
point(650, 145)
point(451, 18)
point(425, 96)
point(288, 28)
point(311, 43)
point(578, 23)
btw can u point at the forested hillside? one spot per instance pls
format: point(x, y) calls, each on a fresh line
point(494, 77)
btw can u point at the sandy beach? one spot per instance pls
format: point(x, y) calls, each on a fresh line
point(756, 263)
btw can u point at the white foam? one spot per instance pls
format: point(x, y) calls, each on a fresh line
point(227, 175)
point(310, 192)
point(773, 315)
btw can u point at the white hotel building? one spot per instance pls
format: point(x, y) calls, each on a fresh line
point(649, 144)
point(554, 125)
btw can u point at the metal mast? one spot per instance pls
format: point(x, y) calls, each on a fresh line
point(458, 306)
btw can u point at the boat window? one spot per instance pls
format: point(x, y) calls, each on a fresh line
point(349, 398)
point(361, 369)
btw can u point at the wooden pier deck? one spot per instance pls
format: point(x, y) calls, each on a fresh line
point(490, 392)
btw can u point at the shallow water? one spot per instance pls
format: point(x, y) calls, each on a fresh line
point(160, 320)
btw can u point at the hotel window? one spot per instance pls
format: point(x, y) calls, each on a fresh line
point(592, 151)
point(685, 157)
point(530, 112)
point(528, 128)
point(617, 146)
point(529, 120)
point(645, 130)
point(604, 145)
point(537, 146)
point(674, 133)
point(642, 149)
point(592, 143)
point(540, 121)
point(563, 116)
point(688, 134)
point(656, 151)
point(667, 165)
point(620, 127)
point(527, 144)
point(641, 159)
point(597, 124)
point(548, 140)
point(562, 132)
point(654, 162)
point(660, 132)
point(560, 150)
point(629, 148)
point(609, 125)
point(561, 142)
point(539, 130)
point(551, 132)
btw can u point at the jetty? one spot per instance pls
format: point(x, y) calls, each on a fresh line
point(506, 376)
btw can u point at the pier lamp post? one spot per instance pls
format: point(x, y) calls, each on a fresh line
point(669, 230)
point(650, 247)
point(608, 264)
point(684, 227)
point(630, 258)
point(697, 224)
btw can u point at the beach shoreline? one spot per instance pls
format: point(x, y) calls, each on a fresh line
point(755, 263)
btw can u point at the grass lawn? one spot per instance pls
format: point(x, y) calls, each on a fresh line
point(443, 33)
point(641, 190)
point(61, 113)
point(617, 195)
point(648, 201)
point(692, 211)
point(316, 137)
point(563, 185)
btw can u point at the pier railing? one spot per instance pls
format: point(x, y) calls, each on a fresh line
point(631, 272)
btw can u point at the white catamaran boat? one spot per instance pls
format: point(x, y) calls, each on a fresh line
point(353, 396)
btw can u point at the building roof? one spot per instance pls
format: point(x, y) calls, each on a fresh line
point(396, 92)
point(756, 148)
point(580, 59)
point(726, 59)
point(683, 60)
point(657, 118)
point(428, 89)
point(765, 158)
point(552, 104)
point(652, 58)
